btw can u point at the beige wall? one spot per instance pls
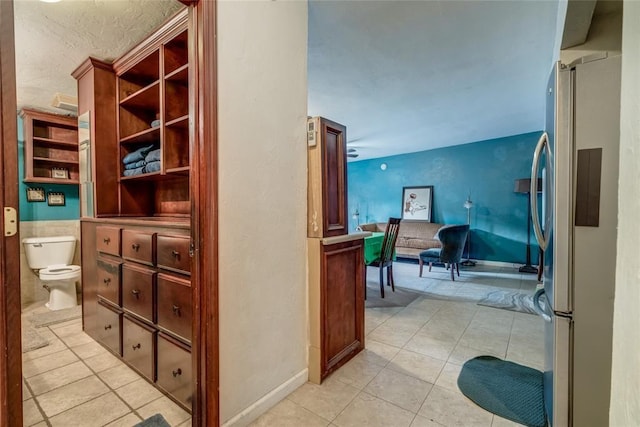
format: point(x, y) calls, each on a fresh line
point(31, 289)
point(625, 381)
point(604, 36)
point(262, 104)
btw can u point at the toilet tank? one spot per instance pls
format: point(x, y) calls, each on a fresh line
point(41, 252)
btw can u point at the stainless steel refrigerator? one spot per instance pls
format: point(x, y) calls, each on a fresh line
point(576, 225)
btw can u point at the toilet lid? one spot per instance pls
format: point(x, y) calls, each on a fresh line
point(53, 270)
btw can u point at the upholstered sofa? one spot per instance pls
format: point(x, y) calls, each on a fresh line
point(413, 236)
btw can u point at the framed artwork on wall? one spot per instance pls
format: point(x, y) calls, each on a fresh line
point(35, 194)
point(55, 199)
point(416, 203)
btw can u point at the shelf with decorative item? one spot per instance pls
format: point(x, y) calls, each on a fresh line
point(44, 180)
point(50, 148)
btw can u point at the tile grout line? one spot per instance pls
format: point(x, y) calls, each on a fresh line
point(443, 366)
point(46, 418)
point(96, 374)
point(93, 372)
point(37, 403)
point(361, 390)
point(415, 414)
point(109, 388)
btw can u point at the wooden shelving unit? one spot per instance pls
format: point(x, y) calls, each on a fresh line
point(146, 241)
point(50, 141)
point(153, 109)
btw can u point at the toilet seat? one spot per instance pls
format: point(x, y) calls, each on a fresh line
point(60, 272)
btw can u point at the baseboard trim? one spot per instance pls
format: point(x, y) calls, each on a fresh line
point(477, 261)
point(498, 263)
point(269, 400)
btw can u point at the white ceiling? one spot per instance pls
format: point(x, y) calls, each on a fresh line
point(403, 76)
point(52, 39)
point(406, 76)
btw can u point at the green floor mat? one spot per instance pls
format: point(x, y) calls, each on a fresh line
point(512, 391)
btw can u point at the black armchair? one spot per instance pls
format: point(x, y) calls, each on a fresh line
point(453, 238)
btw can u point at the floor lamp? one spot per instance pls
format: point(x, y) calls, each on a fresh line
point(523, 186)
point(356, 218)
point(468, 204)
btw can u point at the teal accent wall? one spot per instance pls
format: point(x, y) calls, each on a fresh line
point(486, 170)
point(41, 211)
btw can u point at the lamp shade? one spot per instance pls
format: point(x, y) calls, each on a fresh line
point(524, 185)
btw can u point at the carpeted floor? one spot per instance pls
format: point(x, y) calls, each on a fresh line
point(52, 317)
point(31, 339)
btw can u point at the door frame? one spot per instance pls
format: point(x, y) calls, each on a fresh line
point(204, 223)
point(10, 335)
point(204, 218)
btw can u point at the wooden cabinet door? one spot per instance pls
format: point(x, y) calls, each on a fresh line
point(174, 305)
point(109, 280)
point(108, 240)
point(139, 246)
point(327, 192)
point(342, 290)
point(174, 369)
point(109, 322)
point(138, 286)
point(334, 164)
point(138, 346)
point(173, 253)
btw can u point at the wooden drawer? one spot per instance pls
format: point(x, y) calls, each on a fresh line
point(139, 246)
point(137, 290)
point(173, 253)
point(109, 326)
point(174, 369)
point(108, 240)
point(174, 305)
point(138, 341)
point(109, 280)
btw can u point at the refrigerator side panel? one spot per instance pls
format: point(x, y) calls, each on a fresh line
point(597, 126)
point(561, 204)
point(548, 185)
point(558, 354)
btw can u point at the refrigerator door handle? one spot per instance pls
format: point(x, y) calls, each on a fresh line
point(536, 306)
point(543, 143)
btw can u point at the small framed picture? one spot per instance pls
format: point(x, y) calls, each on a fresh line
point(60, 173)
point(55, 199)
point(35, 194)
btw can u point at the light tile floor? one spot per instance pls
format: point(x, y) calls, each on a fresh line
point(407, 374)
point(74, 381)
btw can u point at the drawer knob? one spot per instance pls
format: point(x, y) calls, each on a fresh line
point(177, 372)
point(136, 347)
point(176, 310)
point(135, 246)
point(136, 293)
point(106, 280)
point(107, 327)
point(106, 240)
point(175, 253)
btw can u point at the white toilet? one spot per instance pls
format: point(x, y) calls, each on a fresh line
point(50, 258)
